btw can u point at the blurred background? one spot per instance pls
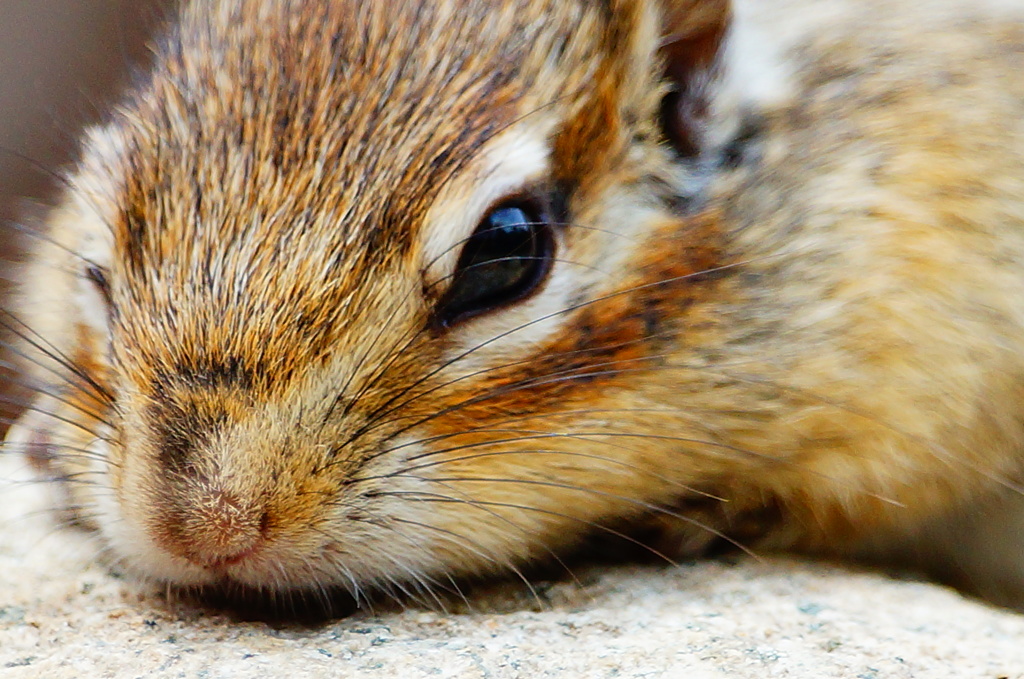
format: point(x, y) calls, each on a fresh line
point(62, 64)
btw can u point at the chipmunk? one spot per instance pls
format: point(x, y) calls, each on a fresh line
point(374, 295)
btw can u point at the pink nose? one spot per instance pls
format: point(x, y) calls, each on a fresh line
point(213, 529)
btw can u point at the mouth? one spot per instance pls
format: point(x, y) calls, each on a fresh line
point(221, 565)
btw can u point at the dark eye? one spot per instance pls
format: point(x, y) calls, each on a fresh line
point(98, 277)
point(680, 124)
point(505, 259)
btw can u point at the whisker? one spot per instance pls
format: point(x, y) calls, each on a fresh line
point(401, 346)
point(38, 387)
point(68, 185)
point(43, 236)
point(466, 239)
point(48, 349)
point(928, 444)
point(374, 418)
point(59, 418)
point(514, 452)
point(517, 258)
point(423, 496)
point(60, 451)
point(473, 547)
point(32, 405)
point(591, 491)
point(378, 414)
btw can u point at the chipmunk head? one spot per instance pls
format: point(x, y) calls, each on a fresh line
point(361, 291)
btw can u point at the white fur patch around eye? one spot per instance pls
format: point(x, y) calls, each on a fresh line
point(91, 306)
point(511, 162)
point(89, 215)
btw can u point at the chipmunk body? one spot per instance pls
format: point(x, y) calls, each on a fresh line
point(369, 294)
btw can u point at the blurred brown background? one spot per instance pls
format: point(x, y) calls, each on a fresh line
point(62, 63)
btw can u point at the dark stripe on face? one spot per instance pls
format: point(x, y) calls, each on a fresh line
point(616, 337)
point(180, 431)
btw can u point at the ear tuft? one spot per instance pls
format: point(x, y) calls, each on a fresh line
point(694, 33)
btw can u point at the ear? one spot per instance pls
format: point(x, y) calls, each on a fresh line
point(694, 33)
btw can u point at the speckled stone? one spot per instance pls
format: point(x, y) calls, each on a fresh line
point(61, 616)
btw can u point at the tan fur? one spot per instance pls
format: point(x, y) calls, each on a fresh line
point(820, 351)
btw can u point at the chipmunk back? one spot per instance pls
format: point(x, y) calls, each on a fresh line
point(373, 295)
